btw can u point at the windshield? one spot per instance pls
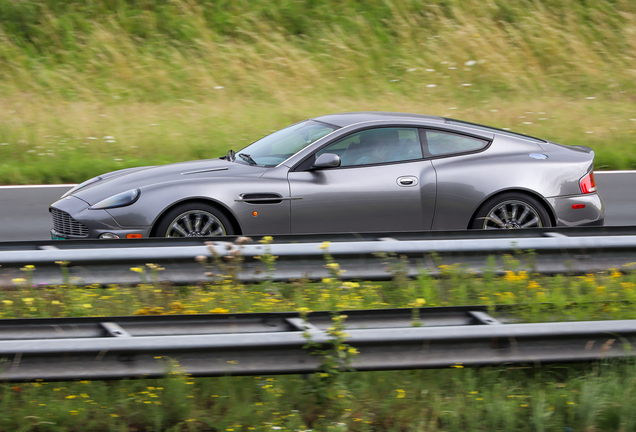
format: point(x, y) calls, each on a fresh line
point(279, 146)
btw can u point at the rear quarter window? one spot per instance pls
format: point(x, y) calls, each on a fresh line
point(445, 143)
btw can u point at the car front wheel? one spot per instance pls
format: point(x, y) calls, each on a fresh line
point(511, 211)
point(194, 220)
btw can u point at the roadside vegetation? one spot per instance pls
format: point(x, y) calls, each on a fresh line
point(585, 397)
point(89, 87)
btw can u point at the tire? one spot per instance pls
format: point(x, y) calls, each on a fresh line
point(194, 220)
point(511, 210)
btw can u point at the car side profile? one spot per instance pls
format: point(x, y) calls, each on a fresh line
point(348, 172)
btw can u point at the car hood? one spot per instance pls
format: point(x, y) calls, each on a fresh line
point(133, 178)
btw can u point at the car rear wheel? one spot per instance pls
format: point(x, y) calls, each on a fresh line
point(511, 211)
point(194, 220)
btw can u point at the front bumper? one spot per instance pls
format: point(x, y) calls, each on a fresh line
point(591, 214)
point(73, 220)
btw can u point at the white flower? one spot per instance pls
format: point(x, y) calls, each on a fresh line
point(431, 85)
point(109, 137)
point(470, 63)
point(429, 70)
point(219, 88)
point(466, 85)
point(411, 70)
point(590, 97)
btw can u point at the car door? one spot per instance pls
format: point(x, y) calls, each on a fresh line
point(382, 184)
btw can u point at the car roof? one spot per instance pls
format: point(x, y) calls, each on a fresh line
point(349, 118)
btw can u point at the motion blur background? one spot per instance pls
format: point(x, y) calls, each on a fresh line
point(93, 86)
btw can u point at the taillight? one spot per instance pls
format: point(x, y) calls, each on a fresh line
point(588, 185)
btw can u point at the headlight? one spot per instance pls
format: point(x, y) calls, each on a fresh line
point(119, 200)
point(81, 185)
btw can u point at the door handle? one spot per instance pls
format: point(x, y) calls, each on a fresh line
point(406, 181)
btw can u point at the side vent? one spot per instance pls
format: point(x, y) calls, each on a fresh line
point(261, 198)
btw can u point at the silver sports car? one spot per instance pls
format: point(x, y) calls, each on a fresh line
point(350, 172)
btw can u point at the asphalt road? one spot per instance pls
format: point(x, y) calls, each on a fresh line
point(24, 211)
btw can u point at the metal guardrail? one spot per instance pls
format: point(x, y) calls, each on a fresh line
point(553, 251)
point(273, 343)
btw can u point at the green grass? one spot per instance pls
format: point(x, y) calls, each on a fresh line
point(598, 397)
point(586, 397)
point(600, 296)
point(179, 80)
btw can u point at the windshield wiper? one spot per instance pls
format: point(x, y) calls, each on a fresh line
point(230, 156)
point(247, 158)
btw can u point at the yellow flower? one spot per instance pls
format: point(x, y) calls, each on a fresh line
point(420, 302)
point(266, 240)
point(352, 351)
point(55, 302)
point(28, 300)
point(87, 305)
point(18, 280)
point(137, 269)
point(7, 302)
point(219, 310)
point(324, 245)
point(400, 393)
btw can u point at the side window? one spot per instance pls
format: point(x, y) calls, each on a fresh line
point(441, 143)
point(375, 146)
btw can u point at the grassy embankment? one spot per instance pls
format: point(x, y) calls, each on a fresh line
point(88, 87)
point(598, 397)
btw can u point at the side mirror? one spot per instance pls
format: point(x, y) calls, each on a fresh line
point(327, 160)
